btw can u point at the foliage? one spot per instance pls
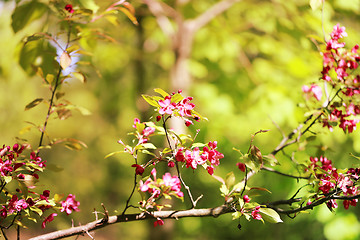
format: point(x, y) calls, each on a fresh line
point(59, 58)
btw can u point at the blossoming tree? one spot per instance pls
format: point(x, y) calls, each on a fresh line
point(336, 104)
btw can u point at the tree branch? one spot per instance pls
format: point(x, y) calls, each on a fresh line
point(212, 12)
point(206, 212)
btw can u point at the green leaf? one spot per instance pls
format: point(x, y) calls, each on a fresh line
point(270, 215)
point(7, 179)
point(230, 180)
point(80, 76)
point(50, 78)
point(36, 210)
point(72, 48)
point(33, 103)
point(90, 4)
point(151, 100)
point(176, 98)
point(199, 145)
point(26, 14)
point(113, 153)
point(224, 190)
point(129, 13)
point(315, 4)
point(148, 146)
point(236, 215)
point(271, 160)
point(161, 92)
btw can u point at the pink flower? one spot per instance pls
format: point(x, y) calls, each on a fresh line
point(148, 131)
point(166, 106)
point(136, 121)
point(338, 32)
point(45, 195)
point(70, 204)
point(241, 166)
point(313, 90)
point(69, 8)
point(246, 198)
point(255, 213)
point(50, 218)
point(139, 169)
point(158, 222)
point(185, 106)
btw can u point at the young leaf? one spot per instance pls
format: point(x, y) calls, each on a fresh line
point(315, 4)
point(65, 60)
point(230, 180)
point(224, 190)
point(161, 92)
point(150, 100)
point(129, 14)
point(270, 215)
point(113, 153)
point(80, 76)
point(26, 14)
point(33, 103)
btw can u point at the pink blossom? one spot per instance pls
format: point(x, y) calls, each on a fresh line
point(69, 8)
point(166, 106)
point(45, 195)
point(139, 169)
point(331, 204)
point(185, 106)
point(314, 90)
point(246, 198)
point(148, 131)
point(158, 222)
point(70, 204)
point(241, 166)
point(136, 121)
point(255, 213)
point(338, 32)
point(48, 219)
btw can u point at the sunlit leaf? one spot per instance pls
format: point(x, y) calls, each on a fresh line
point(7, 179)
point(90, 4)
point(224, 190)
point(151, 100)
point(65, 60)
point(129, 14)
point(161, 92)
point(113, 153)
point(49, 78)
point(270, 215)
point(230, 180)
point(72, 48)
point(315, 4)
point(33, 103)
point(26, 13)
point(80, 76)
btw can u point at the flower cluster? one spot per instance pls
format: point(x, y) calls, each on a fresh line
point(208, 157)
point(14, 166)
point(312, 91)
point(339, 67)
point(166, 187)
point(143, 132)
point(178, 106)
point(333, 182)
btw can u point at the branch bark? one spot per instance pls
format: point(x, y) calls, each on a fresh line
point(206, 212)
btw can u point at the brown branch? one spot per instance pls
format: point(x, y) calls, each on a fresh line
point(206, 212)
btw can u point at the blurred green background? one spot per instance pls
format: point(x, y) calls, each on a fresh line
point(247, 67)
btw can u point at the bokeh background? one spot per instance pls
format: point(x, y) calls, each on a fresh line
point(247, 67)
